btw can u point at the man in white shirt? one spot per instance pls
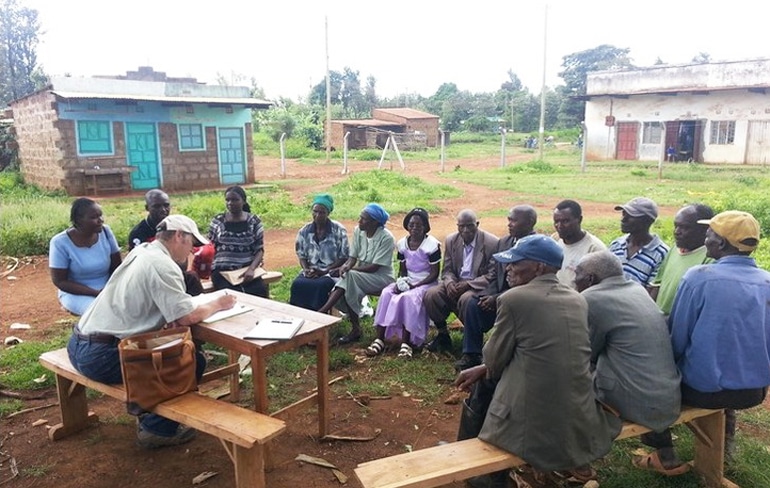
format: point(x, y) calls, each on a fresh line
point(576, 242)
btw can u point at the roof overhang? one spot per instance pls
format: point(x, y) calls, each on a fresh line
point(675, 92)
point(211, 101)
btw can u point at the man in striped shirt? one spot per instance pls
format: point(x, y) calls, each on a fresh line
point(639, 252)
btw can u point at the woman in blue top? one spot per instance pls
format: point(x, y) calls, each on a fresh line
point(322, 246)
point(83, 257)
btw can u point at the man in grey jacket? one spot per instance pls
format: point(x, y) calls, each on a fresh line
point(634, 369)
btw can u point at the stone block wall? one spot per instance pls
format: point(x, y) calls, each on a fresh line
point(41, 146)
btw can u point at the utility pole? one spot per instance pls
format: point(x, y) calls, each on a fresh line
point(328, 97)
point(541, 142)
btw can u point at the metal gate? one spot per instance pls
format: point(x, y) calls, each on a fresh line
point(628, 140)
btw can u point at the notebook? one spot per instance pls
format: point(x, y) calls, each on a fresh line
point(274, 329)
point(234, 276)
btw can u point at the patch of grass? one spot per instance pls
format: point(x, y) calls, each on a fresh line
point(37, 471)
point(10, 406)
point(19, 364)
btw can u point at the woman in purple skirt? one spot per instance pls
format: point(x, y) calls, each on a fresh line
point(400, 313)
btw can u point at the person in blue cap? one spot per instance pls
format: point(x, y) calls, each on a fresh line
point(367, 271)
point(322, 247)
point(536, 368)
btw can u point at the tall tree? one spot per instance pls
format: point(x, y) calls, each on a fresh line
point(19, 72)
point(577, 66)
point(370, 94)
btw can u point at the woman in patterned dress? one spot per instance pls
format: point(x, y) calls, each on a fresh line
point(400, 313)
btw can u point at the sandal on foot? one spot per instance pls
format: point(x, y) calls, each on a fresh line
point(652, 462)
point(375, 349)
point(405, 352)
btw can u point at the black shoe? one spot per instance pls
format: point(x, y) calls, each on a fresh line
point(467, 361)
point(442, 342)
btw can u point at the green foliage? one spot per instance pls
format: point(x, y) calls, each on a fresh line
point(19, 71)
point(9, 158)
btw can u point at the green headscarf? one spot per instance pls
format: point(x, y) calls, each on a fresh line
point(326, 200)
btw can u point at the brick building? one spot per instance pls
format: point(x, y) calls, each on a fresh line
point(135, 132)
point(411, 128)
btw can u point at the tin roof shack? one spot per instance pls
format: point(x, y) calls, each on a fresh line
point(135, 132)
point(711, 113)
point(411, 128)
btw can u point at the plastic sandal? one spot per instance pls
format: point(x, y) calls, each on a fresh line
point(651, 462)
point(375, 348)
point(405, 352)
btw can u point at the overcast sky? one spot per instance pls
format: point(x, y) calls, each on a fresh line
point(409, 46)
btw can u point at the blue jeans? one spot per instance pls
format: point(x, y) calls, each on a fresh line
point(101, 362)
point(475, 323)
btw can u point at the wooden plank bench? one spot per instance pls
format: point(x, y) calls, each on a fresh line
point(242, 432)
point(267, 278)
point(455, 461)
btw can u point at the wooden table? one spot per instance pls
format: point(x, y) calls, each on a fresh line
point(229, 332)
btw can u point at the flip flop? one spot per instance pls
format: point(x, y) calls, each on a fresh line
point(405, 352)
point(651, 462)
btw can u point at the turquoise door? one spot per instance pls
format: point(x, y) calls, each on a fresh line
point(142, 151)
point(232, 157)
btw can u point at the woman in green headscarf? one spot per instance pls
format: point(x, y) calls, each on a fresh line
point(367, 271)
point(322, 246)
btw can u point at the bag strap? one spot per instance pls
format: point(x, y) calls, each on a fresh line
point(157, 365)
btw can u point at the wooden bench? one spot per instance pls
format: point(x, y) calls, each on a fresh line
point(455, 461)
point(242, 432)
point(106, 179)
point(267, 278)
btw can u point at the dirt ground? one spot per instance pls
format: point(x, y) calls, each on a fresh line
point(106, 455)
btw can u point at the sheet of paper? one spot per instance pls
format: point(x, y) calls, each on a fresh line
point(238, 309)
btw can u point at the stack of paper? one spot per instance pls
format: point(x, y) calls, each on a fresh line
point(274, 329)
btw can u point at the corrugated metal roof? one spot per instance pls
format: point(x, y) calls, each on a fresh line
point(367, 122)
point(247, 102)
point(408, 113)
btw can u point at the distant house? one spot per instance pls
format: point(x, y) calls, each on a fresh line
point(412, 129)
point(135, 132)
point(712, 113)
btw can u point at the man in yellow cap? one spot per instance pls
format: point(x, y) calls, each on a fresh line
point(720, 327)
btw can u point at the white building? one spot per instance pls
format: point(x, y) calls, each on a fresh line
point(711, 113)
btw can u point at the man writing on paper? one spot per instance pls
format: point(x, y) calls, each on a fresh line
point(145, 292)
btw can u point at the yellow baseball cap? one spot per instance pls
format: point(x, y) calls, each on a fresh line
point(736, 227)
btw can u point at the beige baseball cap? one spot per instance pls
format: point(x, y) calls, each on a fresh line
point(737, 227)
point(185, 224)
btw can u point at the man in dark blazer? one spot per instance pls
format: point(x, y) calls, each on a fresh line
point(479, 313)
point(467, 254)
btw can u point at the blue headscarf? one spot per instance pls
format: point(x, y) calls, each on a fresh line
point(377, 213)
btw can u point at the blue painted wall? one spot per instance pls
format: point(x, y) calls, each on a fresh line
point(108, 110)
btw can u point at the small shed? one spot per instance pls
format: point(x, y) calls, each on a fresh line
point(412, 128)
point(135, 132)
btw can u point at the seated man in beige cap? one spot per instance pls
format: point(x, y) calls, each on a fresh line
point(639, 251)
point(720, 326)
point(146, 292)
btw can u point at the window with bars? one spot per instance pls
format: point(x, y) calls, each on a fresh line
point(191, 137)
point(94, 137)
point(651, 133)
point(722, 132)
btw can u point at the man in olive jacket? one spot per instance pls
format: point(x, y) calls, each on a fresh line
point(543, 407)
